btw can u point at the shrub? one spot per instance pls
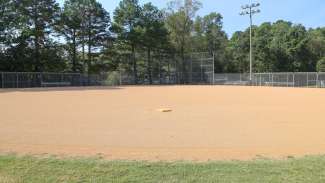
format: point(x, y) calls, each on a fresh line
point(113, 79)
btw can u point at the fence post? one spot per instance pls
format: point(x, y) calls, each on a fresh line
point(2, 79)
point(287, 79)
point(294, 79)
point(307, 80)
point(317, 79)
point(257, 79)
point(191, 69)
point(213, 82)
point(17, 80)
point(201, 63)
point(272, 79)
point(79, 79)
point(120, 77)
point(41, 75)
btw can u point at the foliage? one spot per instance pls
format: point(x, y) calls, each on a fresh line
point(95, 26)
point(278, 47)
point(153, 33)
point(113, 79)
point(179, 22)
point(321, 65)
point(127, 27)
point(81, 37)
point(209, 37)
point(38, 19)
point(70, 27)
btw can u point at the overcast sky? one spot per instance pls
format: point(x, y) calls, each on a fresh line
point(310, 13)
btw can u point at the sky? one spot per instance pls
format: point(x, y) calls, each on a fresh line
point(310, 13)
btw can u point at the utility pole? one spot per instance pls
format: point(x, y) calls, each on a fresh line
point(250, 9)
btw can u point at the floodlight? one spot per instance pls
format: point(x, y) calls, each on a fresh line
point(245, 6)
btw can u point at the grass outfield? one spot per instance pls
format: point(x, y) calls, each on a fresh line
point(31, 169)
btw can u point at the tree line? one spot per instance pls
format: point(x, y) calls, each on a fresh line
point(80, 36)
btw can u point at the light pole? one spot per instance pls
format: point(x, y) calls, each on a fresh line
point(250, 9)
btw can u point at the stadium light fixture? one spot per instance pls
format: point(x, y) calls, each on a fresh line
point(250, 9)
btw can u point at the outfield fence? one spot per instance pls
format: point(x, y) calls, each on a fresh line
point(117, 78)
point(298, 79)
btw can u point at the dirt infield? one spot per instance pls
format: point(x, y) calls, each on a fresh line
point(207, 122)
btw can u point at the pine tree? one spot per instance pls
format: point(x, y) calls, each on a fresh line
point(95, 24)
point(154, 33)
point(39, 17)
point(127, 27)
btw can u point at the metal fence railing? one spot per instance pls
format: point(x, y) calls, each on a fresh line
point(299, 79)
point(32, 79)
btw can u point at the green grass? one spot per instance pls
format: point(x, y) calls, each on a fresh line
point(31, 169)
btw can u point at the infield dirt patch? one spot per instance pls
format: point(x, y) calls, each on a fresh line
point(206, 122)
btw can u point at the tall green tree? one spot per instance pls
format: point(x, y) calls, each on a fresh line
point(179, 22)
point(95, 28)
point(8, 23)
point(316, 43)
point(238, 46)
point(70, 26)
point(209, 37)
point(264, 60)
point(127, 27)
point(39, 18)
point(6, 7)
point(154, 33)
point(85, 23)
point(278, 47)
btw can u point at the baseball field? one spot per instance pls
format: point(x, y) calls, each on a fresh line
point(126, 123)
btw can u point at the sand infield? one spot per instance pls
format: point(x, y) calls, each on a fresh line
point(206, 122)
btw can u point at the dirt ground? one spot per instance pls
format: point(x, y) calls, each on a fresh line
point(207, 122)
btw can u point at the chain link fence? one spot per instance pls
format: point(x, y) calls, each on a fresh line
point(33, 79)
point(117, 78)
point(299, 79)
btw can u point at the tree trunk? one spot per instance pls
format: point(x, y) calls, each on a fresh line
point(168, 70)
point(149, 66)
point(74, 52)
point(135, 72)
point(83, 55)
point(37, 53)
point(36, 40)
point(183, 79)
point(159, 57)
point(89, 44)
point(89, 56)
